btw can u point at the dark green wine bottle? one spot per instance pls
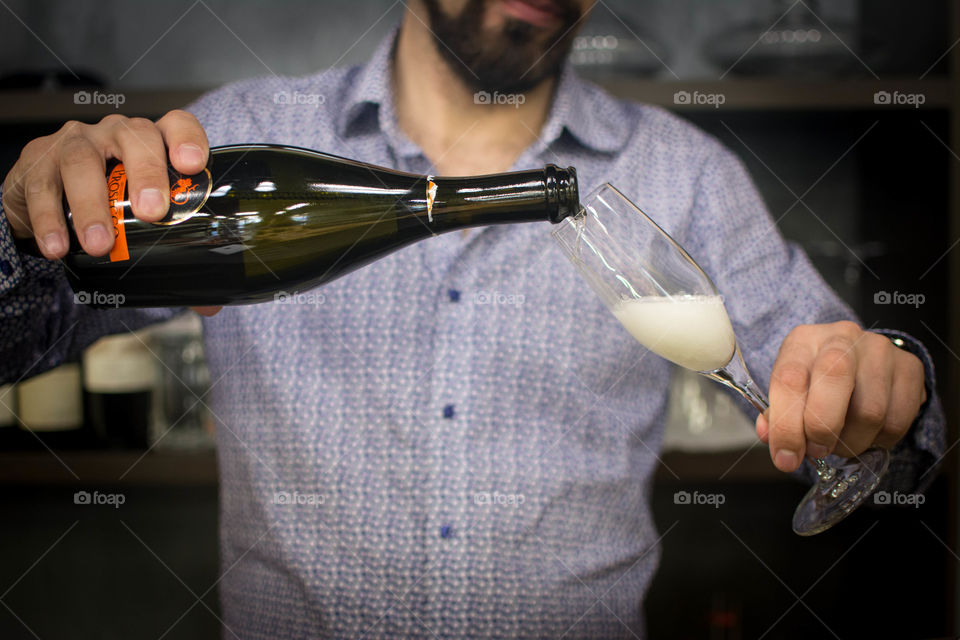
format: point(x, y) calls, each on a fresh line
point(264, 218)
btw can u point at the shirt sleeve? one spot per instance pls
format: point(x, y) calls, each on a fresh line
point(770, 287)
point(41, 324)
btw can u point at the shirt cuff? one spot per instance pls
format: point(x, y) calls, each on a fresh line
point(915, 457)
point(14, 265)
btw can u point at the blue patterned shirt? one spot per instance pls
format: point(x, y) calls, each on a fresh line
point(457, 440)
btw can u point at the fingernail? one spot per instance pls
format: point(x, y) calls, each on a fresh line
point(52, 243)
point(815, 450)
point(191, 154)
point(151, 202)
point(97, 237)
point(786, 460)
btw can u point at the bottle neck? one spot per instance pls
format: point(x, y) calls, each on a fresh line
point(548, 194)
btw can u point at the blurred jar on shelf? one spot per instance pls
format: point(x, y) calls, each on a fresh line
point(50, 407)
point(791, 39)
point(181, 418)
point(613, 45)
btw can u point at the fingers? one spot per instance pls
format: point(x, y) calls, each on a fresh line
point(71, 163)
point(42, 199)
point(82, 172)
point(207, 311)
point(832, 381)
point(140, 146)
point(869, 403)
point(907, 395)
point(789, 384)
point(186, 141)
point(763, 429)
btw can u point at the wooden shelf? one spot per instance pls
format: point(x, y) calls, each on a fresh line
point(92, 468)
point(739, 94)
point(779, 94)
point(59, 106)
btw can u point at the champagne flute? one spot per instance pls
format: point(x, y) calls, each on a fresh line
point(669, 305)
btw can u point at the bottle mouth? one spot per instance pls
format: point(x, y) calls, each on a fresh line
point(563, 194)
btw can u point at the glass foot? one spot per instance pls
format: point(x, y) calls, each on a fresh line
point(844, 483)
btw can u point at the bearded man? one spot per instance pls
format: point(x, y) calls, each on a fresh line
point(482, 468)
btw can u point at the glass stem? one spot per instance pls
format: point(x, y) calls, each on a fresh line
point(736, 376)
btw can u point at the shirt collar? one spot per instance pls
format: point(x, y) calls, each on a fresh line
point(596, 120)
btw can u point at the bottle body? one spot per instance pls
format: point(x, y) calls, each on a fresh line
point(263, 219)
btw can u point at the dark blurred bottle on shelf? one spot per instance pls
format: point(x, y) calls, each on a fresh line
point(9, 434)
point(119, 376)
point(906, 38)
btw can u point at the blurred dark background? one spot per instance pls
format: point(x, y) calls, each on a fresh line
point(847, 114)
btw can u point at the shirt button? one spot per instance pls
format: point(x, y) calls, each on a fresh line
point(6, 268)
point(454, 295)
point(446, 531)
point(448, 411)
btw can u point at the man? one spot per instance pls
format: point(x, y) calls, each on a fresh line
point(481, 469)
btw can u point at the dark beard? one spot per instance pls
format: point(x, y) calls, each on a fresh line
point(513, 60)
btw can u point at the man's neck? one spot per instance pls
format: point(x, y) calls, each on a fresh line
point(438, 111)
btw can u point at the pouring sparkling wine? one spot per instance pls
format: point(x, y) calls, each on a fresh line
point(669, 305)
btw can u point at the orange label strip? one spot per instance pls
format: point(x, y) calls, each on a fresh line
point(116, 194)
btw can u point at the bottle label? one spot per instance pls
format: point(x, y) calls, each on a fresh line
point(187, 195)
point(117, 198)
point(431, 196)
